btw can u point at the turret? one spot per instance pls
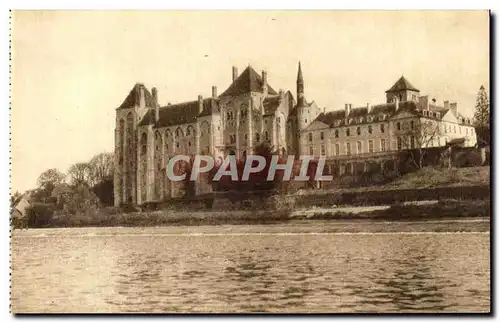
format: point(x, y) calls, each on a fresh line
point(300, 88)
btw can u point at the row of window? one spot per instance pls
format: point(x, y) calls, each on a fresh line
point(348, 132)
point(349, 149)
point(232, 137)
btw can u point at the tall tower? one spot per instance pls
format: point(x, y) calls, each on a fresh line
point(300, 88)
point(304, 117)
point(303, 113)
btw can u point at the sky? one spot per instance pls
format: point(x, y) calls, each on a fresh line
point(70, 70)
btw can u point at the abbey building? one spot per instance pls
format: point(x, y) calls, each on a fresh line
point(251, 111)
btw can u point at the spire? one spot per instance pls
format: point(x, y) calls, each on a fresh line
point(300, 78)
point(300, 88)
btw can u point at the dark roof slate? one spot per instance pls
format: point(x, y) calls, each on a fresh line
point(185, 112)
point(133, 97)
point(271, 103)
point(337, 117)
point(402, 84)
point(248, 81)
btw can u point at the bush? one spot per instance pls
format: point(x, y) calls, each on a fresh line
point(39, 215)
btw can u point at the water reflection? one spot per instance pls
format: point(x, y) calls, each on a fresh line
point(251, 273)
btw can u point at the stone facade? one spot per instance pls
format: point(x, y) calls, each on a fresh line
point(375, 134)
point(249, 112)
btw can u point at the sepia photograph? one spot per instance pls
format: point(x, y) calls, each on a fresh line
point(237, 162)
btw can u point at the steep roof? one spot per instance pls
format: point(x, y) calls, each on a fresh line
point(402, 84)
point(134, 95)
point(248, 81)
point(185, 112)
point(271, 103)
point(330, 118)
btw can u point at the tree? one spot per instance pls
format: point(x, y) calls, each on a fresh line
point(14, 197)
point(46, 182)
point(101, 168)
point(79, 173)
point(417, 137)
point(482, 113)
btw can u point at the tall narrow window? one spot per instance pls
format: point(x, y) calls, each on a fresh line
point(323, 150)
point(382, 145)
point(370, 146)
point(358, 130)
point(398, 126)
point(337, 149)
point(359, 147)
point(348, 132)
point(310, 137)
point(348, 148)
point(382, 128)
point(370, 130)
point(311, 151)
point(322, 135)
point(336, 133)
point(400, 143)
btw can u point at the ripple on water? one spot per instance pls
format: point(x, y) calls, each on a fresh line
point(172, 273)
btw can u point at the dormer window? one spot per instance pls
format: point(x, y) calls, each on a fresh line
point(424, 113)
point(438, 115)
point(350, 121)
point(360, 120)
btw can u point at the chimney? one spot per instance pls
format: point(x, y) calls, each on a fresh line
point(154, 92)
point(235, 73)
point(368, 107)
point(264, 79)
point(214, 91)
point(142, 98)
point(347, 110)
point(446, 104)
point(200, 103)
point(453, 108)
point(397, 104)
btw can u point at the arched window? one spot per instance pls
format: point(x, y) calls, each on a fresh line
point(144, 143)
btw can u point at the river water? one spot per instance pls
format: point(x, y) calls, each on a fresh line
point(317, 267)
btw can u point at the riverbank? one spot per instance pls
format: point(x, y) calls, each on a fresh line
point(428, 210)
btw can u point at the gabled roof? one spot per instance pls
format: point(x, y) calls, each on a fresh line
point(248, 81)
point(134, 95)
point(185, 112)
point(271, 103)
point(338, 118)
point(330, 117)
point(402, 84)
